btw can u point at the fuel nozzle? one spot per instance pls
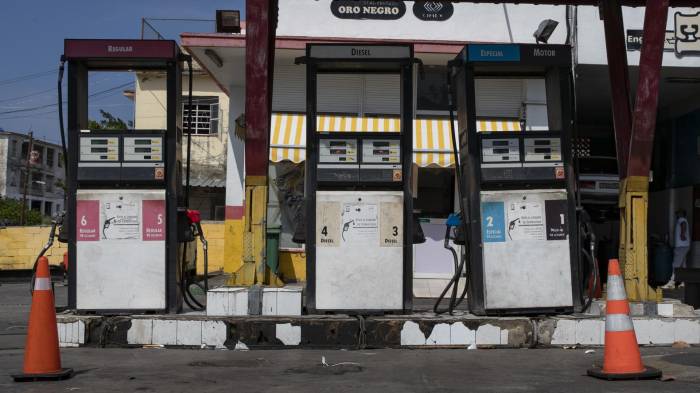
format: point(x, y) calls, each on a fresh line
point(455, 227)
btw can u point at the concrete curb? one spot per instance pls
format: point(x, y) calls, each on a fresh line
point(339, 331)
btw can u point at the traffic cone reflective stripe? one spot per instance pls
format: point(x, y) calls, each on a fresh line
point(42, 360)
point(621, 359)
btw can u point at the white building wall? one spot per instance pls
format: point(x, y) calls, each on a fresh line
point(235, 157)
point(4, 149)
point(591, 36)
point(470, 22)
point(150, 109)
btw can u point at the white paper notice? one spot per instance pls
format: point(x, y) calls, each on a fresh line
point(525, 220)
point(120, 216)
point(360, 223)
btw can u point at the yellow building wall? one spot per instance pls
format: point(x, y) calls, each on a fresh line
point(292, 266)
point(19, 247)
point(233, 245)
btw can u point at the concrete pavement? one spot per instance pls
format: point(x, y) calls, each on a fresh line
point(390, 370)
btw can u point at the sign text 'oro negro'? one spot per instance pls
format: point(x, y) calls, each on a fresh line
point(365, 9)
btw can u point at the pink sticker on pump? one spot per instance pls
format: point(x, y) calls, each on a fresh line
point(153, 220)
point(87, 219)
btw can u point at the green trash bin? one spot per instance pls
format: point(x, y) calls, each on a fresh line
point(272, 247)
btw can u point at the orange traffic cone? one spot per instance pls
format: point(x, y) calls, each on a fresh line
point(621, 359)
point(42, 360)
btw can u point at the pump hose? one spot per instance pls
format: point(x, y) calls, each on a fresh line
point(49, 243)
point(587, 234)
point(463, 264)
point(185, 280)
point(454, 281)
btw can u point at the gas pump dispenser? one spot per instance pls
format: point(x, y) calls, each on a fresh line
point(518, 185)
point(126, 221)
point(358, 195)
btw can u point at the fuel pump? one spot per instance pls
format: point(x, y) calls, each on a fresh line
point(127, 225)
point(359, 233)
point(517, 186)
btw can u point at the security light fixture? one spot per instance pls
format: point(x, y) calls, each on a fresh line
point(214, 57)
point(545, 30)
point(228, 21)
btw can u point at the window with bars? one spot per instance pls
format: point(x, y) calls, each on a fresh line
point(205, 115)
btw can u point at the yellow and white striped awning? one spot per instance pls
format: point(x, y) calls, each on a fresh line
point(432, 145)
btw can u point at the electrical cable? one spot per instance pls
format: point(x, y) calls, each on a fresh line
point(27, 77)
point(111, 89)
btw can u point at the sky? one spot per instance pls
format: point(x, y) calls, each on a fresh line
point(33, 32)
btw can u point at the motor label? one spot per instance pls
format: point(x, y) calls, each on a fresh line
point(555, 212)
point(492, 222)
point(153, 220)
point(328, 224)
point(390, 224)
point(87, 220)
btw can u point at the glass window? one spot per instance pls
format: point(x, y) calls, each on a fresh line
point(49, 157)
point(205, 115)
point(13, 148)
point(49, 183)
point(432, 89)
point(47, 208)
point(60, 160)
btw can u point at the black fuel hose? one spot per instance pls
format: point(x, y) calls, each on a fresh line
point(463, 264)
point(185, 281)
point(60, 123)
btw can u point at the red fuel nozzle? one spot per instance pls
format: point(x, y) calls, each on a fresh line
point(194, 216)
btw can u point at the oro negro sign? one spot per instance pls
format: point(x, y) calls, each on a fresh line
point(365, 9)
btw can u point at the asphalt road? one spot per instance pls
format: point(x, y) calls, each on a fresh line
point(425, 370)
point(498, 370)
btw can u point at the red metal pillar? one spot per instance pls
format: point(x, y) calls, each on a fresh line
point(634, 195)
point(646, 105)
point(619, 79)
point(261, 23)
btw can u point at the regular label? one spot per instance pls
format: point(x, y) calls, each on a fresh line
point(153, 220)
point(87, 221)
point(391, 224)
point(492, 222)
point(328, 224)
point(555, 213)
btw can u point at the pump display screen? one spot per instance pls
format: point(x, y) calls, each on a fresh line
point(143, 148)
point(381, 151)
point(337, 150)
point(543, 149)
point(99, 149)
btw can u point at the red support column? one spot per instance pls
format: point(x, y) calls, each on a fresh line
point(646, 105)
point(261, 23)
point(619, 79)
